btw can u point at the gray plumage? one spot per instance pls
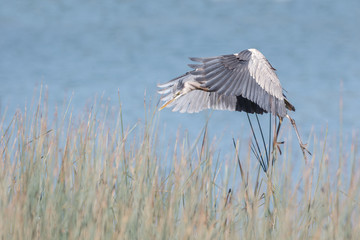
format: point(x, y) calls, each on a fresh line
point(237, 82)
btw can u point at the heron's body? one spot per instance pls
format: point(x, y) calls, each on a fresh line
point(237, 82)
point(245, 81)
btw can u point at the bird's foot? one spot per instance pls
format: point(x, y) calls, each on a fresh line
point(278, 146)
point(304, 148)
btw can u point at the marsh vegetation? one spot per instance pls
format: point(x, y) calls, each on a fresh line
point(87, 176)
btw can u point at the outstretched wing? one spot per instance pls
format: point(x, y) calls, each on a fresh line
point(198, 100)
point(247, 74)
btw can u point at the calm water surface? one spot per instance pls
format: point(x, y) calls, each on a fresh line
point(97, 48)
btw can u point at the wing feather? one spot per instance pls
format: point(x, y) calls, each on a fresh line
point(234, 83)
point(227, 84)
point(247, 74)
point(220, 80)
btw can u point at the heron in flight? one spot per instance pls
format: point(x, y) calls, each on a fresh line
point(244, 81)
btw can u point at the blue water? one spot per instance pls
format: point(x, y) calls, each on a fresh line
point(94, 48)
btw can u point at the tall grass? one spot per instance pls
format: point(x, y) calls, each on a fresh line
point(87, 177)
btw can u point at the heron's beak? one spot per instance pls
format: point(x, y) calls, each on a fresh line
point(176, 96)
point(167, 103)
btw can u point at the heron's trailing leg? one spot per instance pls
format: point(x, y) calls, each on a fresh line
point(303, 146)
point(275, 142)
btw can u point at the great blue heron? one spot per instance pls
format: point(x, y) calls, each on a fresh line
point(244, 81)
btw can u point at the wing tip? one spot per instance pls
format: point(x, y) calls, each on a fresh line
point(196, 59)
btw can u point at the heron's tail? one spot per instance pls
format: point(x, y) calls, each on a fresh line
point(288, 105)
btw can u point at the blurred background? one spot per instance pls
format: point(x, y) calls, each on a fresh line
point(86, 49)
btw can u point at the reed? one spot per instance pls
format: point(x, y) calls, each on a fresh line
point(87, 176)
